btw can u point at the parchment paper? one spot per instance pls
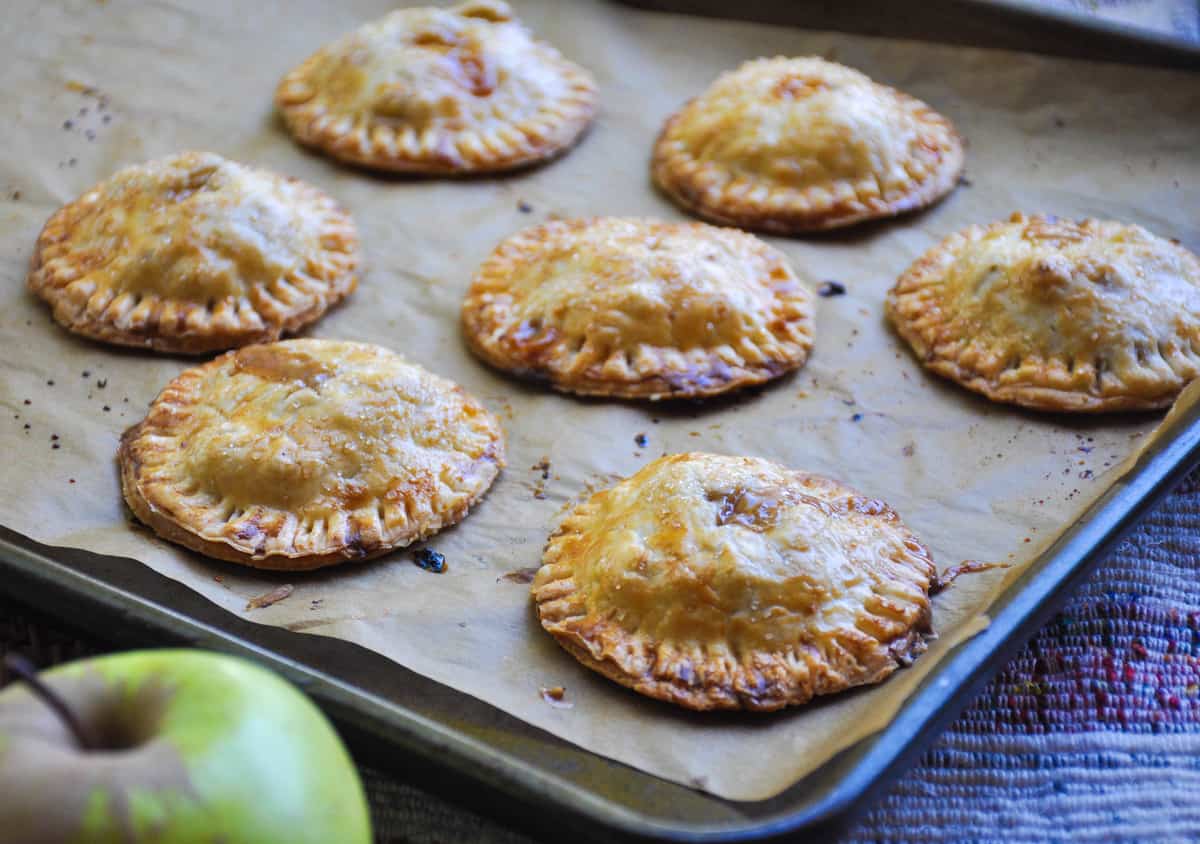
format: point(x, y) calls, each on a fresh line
point(87, 86)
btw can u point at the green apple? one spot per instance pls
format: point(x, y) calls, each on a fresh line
point(187, 747)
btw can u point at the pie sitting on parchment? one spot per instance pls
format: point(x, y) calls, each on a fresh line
point(194, 253)
point(305, 453)
point(639, 309)
point(465, 89)
point(1055, 314)
point(731, 582)
point(794, 145)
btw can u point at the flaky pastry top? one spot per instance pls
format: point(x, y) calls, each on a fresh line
point(313, 447)
point(719, 581)
point(195, 252)
point(458, 89)
point(1055, 313)
point(636, 307)
point(789, 144)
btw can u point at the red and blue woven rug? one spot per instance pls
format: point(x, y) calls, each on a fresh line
point(1093, 732)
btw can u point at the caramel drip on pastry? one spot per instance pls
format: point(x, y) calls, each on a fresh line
point(272, 364)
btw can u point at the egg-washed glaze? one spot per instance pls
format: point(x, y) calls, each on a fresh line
point(637, 308)
point(194, 253)
point(304, 453)
point(459, 90)
point(1056, 314)
point(793, 145)
point(718, 582)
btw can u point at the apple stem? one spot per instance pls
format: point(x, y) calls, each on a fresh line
point(25, 671)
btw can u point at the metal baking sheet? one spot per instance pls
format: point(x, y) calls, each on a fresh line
point(408, 722)
point(1105, 26)
point(1007, 24)
point(470, 751)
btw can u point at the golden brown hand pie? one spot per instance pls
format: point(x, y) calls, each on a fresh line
point(794, 145)
point(305, 453)
point(194, 253)
point(1055, 314)
point(639, 309)
point(459, 90)
point(731, 582)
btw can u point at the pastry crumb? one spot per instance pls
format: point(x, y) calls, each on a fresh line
point(522, 575)
point(273, 597)
point(556, 697)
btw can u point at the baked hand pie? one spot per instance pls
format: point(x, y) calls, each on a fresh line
point(194, 253)
point(639, 309)
point(1054, 314)
point(460, 90)
point(734, 583)
point(305, 453)
point(793, 145)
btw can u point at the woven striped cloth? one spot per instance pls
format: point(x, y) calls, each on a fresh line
point(1092, 733)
